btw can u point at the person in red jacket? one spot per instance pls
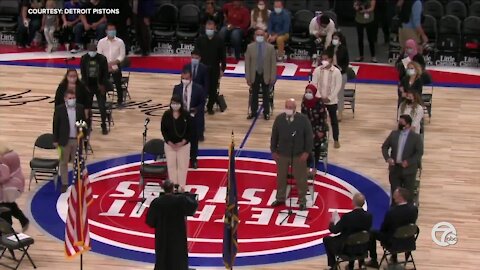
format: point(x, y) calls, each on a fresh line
point(237, 22)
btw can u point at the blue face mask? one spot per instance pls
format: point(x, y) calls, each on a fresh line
point(112, 33)
point(195, 61)
point(210, 32)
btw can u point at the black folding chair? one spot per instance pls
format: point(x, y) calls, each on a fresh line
point(158, 170)
point(12, 241)
point(355, 248)
point(350, 93)
point(43, 169)
point(403, 241)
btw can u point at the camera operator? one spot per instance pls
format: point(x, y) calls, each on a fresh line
point(166, 215)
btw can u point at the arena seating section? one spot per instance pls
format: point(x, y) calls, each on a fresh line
point(453, 27)
point(453, 30)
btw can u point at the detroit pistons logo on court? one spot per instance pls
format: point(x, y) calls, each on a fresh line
point(117, 217)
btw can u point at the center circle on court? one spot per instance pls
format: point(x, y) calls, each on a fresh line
point(117, 219)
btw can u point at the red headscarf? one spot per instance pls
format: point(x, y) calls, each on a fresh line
point(312, 102)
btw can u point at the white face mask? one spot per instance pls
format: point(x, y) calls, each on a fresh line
point(175, 106)
point(92, 54)
point(261, 7)
point(289, 112)
point(185, 81)
point(325, 63)
point(278, 10)
point(335, 42)
point(411, 71)
point(259, 39)
point(71, 102)
point(308, 96)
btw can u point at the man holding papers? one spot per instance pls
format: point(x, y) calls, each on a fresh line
point(355, 221)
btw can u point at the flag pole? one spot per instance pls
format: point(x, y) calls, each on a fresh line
point(81, 261)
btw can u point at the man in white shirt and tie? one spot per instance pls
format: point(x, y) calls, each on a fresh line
point(200, 76)
point(113, 48)
point(193, 97)
point(328, 80)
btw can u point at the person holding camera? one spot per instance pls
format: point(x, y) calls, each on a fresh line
point(166, 215)
point(365, 19)
point(193, 100)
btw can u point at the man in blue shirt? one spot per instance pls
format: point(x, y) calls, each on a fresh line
point(411, 18)
point(279, 28)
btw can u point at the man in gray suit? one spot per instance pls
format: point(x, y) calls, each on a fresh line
point(405, 155)
point(260, 71)
point(291, 143)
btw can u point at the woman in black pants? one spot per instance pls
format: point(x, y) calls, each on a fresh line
point(365, 19)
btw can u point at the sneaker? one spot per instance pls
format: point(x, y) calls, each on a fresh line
point(359, 59)
point(336, 144)
point(266, 116)
point(49, 48)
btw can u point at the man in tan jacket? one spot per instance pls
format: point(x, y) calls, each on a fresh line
point(260, 71)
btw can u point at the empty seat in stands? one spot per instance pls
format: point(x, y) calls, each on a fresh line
point(433, 8)
point(181, 3)
point(164, 23)
point(471, 35)
point(300, 29)
point(295, 5)
point(474, 9)
point(188, 23)
point(456, 8)
point(449, 34)
point(8, 15)
point(318, 5)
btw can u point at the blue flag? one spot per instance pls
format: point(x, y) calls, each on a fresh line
point(230, 243)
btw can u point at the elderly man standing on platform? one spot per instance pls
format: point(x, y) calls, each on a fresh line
point(291, 143)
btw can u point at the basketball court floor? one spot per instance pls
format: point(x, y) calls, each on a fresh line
point(449, 184)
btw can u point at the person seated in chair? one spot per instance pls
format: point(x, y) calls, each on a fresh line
point(401, 214)
point(321, 30)
point(279, 28)
point(237, 21)
point(353, 222)
point(90, 22)
point(69, 22)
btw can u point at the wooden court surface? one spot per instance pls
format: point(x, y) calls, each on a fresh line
point(449, 187)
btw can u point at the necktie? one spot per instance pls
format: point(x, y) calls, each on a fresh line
point(194, 72)
point(260, 58)
point(185, 96)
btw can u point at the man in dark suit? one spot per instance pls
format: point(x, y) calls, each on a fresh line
point(355, 221)
point(403, 213)
point(199, 76)
point(94, 69)
point(406, 152)
point(193, 97)
point(65, 132)
point(213, 55)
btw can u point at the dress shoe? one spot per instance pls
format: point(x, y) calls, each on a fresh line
point(278, 203)
point(336, 144)
point(64, 188)
point(211, 112)
point(266, 117)
point(104, 130)
point(251, 116)
point(303, 207)
point(201, 139)
point(372, 263)
point(195, 164)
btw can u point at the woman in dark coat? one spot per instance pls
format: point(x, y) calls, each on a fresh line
point(71, 81)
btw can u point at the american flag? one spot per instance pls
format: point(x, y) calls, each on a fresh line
point(77, 233)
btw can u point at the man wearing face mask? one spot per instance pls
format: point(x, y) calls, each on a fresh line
point(113, 49)
point(279, 28)
point(321, 29)
point(193, 100)
point(291, 143)
point(94, 69)
point(403, 150)
point(199, 76)
point(260, 71)
point(213, 55)
point(328, 80)
point(65, 132)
